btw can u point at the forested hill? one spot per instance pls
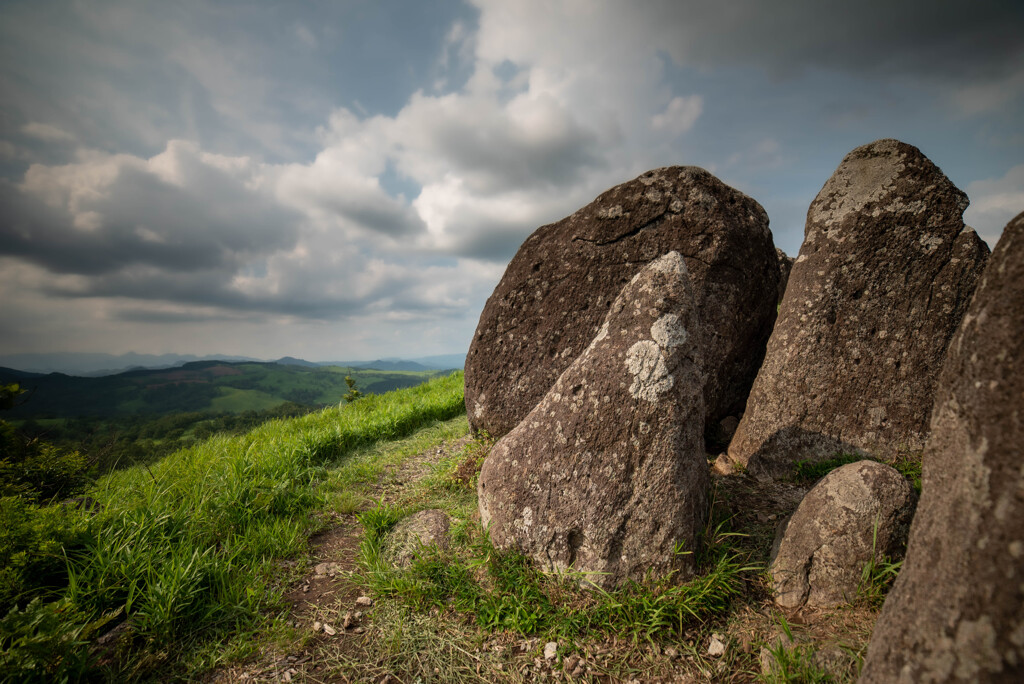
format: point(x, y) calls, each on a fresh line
point(216, 386)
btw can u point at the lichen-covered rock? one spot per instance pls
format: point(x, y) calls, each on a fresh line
point(607, 474)
point(956, 612)
point(556, 291)
point(425, 528)
point(856, 513)
point(884, 275)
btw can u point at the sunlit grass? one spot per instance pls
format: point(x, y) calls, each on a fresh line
point(184, 551)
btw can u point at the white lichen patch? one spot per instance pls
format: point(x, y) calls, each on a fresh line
point(671, 263)
point(929, 243)
point(610, 212)
point(676, 206)
point(668, 331)
point(651, 378)
point(855, 184)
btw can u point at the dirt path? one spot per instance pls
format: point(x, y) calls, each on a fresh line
point(334, 639)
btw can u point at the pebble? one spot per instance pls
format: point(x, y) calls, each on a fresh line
point(317, 626)
point(364, 601)
point(550, 650)
point(329, 631)
point(717, 647)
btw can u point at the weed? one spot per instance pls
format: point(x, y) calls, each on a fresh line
point(877, 575)
point(909, 466)
point(793, 664)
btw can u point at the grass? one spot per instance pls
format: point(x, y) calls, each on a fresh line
point(192, 557)
point(504, 591)
point(793, 663)
point(185, 553)
point(908, 464)
point(877, 575)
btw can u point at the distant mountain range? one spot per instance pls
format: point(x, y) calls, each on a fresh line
point(217, 386)
point(98, 365)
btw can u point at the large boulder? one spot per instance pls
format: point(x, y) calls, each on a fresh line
point(956, 612)
point(856, 514)
point(884, 275)
point(558, 287)
point(607, 474)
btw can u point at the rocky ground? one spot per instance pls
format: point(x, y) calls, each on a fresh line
point(341, 633)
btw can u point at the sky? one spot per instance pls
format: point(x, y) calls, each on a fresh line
point(349, 178)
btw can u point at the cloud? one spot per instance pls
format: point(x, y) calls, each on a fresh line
point(679, 116)
point(224, 167)
point(994, 201)
point(46, 132)
point(182, 210)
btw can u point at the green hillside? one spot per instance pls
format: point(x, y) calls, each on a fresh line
point(187, 552)
point(213, 386)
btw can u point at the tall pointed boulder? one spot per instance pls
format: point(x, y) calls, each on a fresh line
point(883, 277)
point(607, 474)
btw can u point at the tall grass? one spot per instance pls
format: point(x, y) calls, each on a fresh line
point(184, 551)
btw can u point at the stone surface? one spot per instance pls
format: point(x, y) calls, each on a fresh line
point(855, 513)
point(607, 474)
point(884, 275)
point(556, 291)
point(425, 528)
point(956, 612)
point(785, 268)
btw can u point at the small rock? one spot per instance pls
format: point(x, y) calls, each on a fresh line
point(364, 601)
point(286, 677)
point(329, 631)
point(317, 626)
point(347, 621)
point(717, 646)
point(358, 614)
point(305, 588)
point(724, 465)
point(322, 569)
point(550, 650)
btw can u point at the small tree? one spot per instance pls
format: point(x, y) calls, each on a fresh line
point(32, 469)
point(353, 392)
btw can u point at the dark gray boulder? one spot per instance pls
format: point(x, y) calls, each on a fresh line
point(857, 513)
point(607, 474)
point(557, 289)
point(956, 612)
point(884, 275)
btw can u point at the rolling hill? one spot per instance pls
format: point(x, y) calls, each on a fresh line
point(219, 386)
